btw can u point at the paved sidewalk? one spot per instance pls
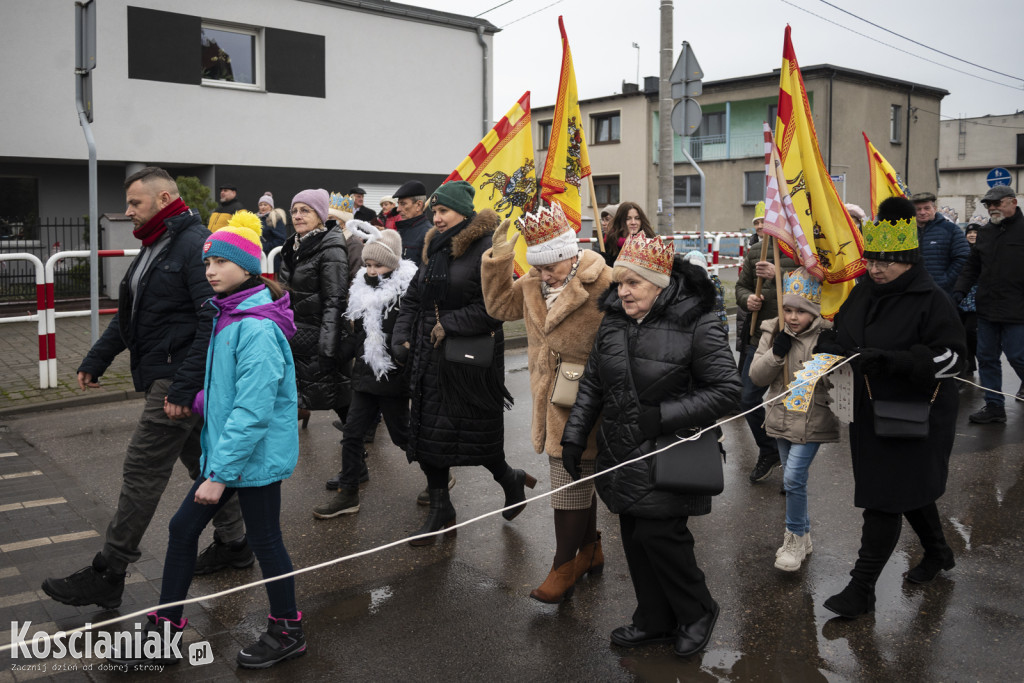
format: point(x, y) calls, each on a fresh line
point(19, 367)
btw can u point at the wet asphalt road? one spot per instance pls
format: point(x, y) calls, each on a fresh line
point(460, 611)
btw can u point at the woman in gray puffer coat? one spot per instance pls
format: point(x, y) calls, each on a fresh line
point(661, 363)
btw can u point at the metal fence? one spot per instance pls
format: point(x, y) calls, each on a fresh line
point(43, 238)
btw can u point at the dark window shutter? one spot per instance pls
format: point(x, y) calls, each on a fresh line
point(295, 63)
point(163, 46)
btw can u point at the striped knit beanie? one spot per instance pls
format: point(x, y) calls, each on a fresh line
point(238, 242)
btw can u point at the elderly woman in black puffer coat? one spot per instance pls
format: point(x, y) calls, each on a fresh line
point(661, 363)
point(456, 410)
point(314, 268)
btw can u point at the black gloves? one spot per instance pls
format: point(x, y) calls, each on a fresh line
point(782, 344)
point(400, 352)
point(650, 421)
point(571, 457)
point(827, 343)
point(958, 297)
point(879, 362)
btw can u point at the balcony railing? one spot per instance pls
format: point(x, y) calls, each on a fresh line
point(716, 148)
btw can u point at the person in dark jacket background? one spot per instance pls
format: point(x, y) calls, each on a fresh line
point(163, 322)
point(996, 265)
point(661, 363)
point(911, 347)
point(944, 248)
point(314, 268)
point(379, 385)
point(456, 409)
point(229, 203)
point(764, 306)
point(360, 212)
point(413, 223)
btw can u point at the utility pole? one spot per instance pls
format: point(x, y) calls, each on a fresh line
point(85, 62)
point(666, 175)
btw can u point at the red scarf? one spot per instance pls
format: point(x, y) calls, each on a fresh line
point(154, 227)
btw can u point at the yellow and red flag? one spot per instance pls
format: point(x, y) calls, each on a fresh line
point(885, 181)
point(567, 163)
point(837, 242)
point(503, 164)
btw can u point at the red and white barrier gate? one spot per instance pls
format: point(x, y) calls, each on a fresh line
point(39, 317)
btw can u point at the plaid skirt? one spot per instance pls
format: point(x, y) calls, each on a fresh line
point(576, 497)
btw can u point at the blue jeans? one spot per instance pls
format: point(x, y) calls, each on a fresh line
point(796, 465)
point(261, 510)
point(995, 339)
point(751, 396)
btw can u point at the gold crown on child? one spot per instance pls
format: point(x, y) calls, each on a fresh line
point(650, 253)
point(342, 202)
point(543, 226)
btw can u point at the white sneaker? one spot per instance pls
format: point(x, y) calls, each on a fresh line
point(792, 553)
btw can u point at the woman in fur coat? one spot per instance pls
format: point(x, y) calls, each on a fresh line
point(558, 299)
point(456, 412)
point(379, 385)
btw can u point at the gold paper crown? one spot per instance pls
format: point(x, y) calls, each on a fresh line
point(887, 236)
point(803, 284)
point(543, 226)
point(650, 253)
point(342, 202)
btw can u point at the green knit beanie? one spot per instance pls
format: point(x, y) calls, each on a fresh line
point(457, 195)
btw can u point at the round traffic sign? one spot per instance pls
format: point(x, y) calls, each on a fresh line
point(998, 176)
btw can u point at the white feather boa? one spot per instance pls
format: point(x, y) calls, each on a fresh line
point(372, 305)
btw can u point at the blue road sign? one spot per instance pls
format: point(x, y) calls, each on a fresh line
point(998, 176)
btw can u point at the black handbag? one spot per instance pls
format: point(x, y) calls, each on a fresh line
point(901, 419)
point(691, 467)
point(477, 350)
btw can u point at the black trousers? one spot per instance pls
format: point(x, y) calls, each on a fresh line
point(362, 414)
point(881, 533)
point(669, 586)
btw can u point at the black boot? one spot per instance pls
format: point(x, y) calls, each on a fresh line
point(879, 535)
point(159, 630)
point(937, 553)
point(98, 584)
point(513, 483)
point(441, 516)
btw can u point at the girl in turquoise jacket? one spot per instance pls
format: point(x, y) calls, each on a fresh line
point(249, 438)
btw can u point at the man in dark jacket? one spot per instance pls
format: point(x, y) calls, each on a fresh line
point(229, 203)
point(764, 306)
point(362, 213)
point(414, 224)
point(944, 248)
point(163, 323)
point(996, 265)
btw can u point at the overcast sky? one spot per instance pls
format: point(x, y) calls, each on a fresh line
point(744, 37)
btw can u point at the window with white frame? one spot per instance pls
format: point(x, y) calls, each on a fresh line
point(606, 127)
point(895, 124)
point(753, 187)
point(687, 190)
point(231, 56)
point(606, 190)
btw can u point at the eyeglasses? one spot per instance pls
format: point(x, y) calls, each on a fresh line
point(878, 265)
point(301, 210)
point(993, 202)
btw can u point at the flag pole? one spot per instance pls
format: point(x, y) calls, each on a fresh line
point(778, 298)
point(597, 216)
point(760, 285)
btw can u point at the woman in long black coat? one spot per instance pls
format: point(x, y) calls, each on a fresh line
point(314, 268)
point(456, 410)
point(911, 346)
point(661, 363)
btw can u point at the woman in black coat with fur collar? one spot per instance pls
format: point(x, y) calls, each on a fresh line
point(661, 363)
point(456, 410)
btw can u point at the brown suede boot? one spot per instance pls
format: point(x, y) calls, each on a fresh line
point(558, 586)
point(590, 559)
